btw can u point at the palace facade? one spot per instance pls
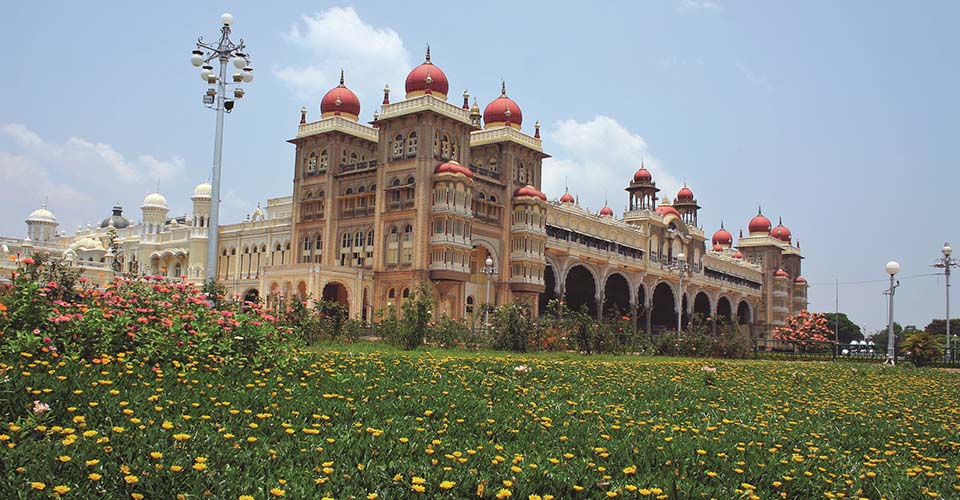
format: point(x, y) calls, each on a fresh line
point(432, 192)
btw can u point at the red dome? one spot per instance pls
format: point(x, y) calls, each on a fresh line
point(453, 167)
point(529, 191)
point(722, 237)
point(738, 255)
point(781, 232)
point(340, 101)
point(642, 175)
point(800, 279)
point(667, 209)
point(759, 224)
point(567, 198)
point(427, 77)
point(781, 274)
point(717, 247)
point(685, 194)
point(502, 110)
point(605, 212)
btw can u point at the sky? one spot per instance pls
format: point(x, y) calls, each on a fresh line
point(839, 117)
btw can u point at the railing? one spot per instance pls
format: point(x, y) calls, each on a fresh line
point(493, 174)
point(337, 123)
point(362, 166)
point(424, 102)
point(497, 134)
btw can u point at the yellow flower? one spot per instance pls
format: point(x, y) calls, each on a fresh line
point(446, 485)
point(373, 496)
point(63, 458)
point(503, 493)
point(136, 496)
point(200, 467)
point(61, 489)
point(418, 480)
point(156, 455)
point(91, 463)
point(181, 437)
point(245, 497)
point(176, 468)
point(611, 494)
point(418, 488)
point(277, 492)
point(38, 486)
point(630, 470)
point(93, 476)
point(131, 479)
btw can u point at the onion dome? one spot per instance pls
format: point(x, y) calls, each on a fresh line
point(800, 280)
point(453, 167)
point(666, 209)
point(529, 191)
point(567, 198)
point(42, 215)
point(717, 247)
point(502, 111)
point(759, 224)
point(340, 101)
point(87, 244)
point(605, 211)
point(738, 255)
point(427, 79)
point(781, 232)
point(203, 190)
point(685, 194)
point(155, 200)
point(642, 175)
point(781, 274)
point(722, 237)
point(117, 220)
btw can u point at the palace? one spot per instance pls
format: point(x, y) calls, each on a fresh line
point(434, 192)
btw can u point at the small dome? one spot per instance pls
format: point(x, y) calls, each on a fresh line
point(155, 200)
point(427, 77)
point(502, 110)
point(800, 280)
point(722, 237)
point(529, 191)
point(453, 167)
point(666, 209)
point(203, 190)
point(759, 224)
point(781, 274)
point(340, 101)
point(605, 212)
point(117, 220)
point(42, 215)
point(738, 255)
point(717, 247)
point(685, 194)
point(781, 232)
point(567, 198)
point(642, 175)
point(87, 244)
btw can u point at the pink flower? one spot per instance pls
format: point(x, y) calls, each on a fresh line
point(40, 408)
point(28, 261)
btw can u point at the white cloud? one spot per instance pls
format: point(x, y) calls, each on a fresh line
point(337, 38)
point(708, 5)
point(598, 159)
point(81, 178)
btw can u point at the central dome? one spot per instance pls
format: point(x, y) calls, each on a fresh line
point(759, 224)
point(427, 79)
point(340, 101)
point(502, 111)
point(42, 215)
point(155, 200)
point(202, 190)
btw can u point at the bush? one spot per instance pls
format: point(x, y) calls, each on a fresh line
point(409, 329)
point(512, 327)
point(923, 347)
point(148, 318)
point(449, 333)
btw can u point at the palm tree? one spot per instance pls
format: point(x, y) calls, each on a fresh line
point(923, 347)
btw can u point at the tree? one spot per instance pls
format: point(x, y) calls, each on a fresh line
point(848, 331)
point(923, 347)
point(804, 328)
point(880, 337)
point(939, 327)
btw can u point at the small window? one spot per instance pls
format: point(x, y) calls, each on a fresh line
point(406, 293)
point(410, 181)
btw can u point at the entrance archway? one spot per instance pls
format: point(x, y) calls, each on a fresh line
point(336, 292)
point(701, 305)
point(616, 294)
point(642, 311)
point(550, 292)
point(743, 313)
point(581, 291)
point(663, 315)
point(724, 309)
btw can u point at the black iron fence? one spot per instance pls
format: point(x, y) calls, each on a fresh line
point(830, 351)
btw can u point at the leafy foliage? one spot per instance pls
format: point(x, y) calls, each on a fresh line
point(805, 328)
point(923, 347)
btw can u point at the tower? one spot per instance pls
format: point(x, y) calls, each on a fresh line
point(42, 225)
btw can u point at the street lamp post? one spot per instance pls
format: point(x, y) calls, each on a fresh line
point(226, 52)
point(893, 267)
point(946, 262)
point(680, 266)
point(488, 270)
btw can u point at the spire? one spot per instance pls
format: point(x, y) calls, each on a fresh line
point(303, 115)
point(721, 223)
point(536, 130)
point(759, 210)
point(466, 99)
point(386, 94)
point(341, 77)
point(428, 54)
point(780, 220)
point(46, 199)
point(503, 88)
point(158, 185)
point(741, 232)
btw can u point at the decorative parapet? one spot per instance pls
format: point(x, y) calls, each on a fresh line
point(501, 134)
point(338, 124)
point(424, 103)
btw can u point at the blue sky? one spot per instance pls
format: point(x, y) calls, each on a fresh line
point(839, 117)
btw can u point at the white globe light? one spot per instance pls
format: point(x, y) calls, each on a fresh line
point(205, 74)
point(197, 58)
point(239, 62)
point(247, 75)
point(681, 256)
point(947, 250)
point(227, 18)
point(893, 267)
point(488, 262)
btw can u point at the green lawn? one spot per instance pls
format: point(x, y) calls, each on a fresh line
point(366, 421)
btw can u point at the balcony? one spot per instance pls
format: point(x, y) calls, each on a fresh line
point(357, 168)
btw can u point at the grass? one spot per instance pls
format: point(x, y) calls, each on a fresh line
point(366, 421)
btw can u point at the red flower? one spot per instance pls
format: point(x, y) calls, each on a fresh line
point(28, 261)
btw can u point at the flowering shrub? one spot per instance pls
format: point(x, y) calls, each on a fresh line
point(148, 318)
point(805, 328)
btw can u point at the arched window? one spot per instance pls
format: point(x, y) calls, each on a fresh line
point(306, 243)
point(412, 144)
point(398, 146)
point(370, 238)
point(362, 189)
point(492, 163)
point(358, 239)
point(445, 147)
point(354, 158)
point(323, 159)
point(373, 187)
point(406, 293)
point(309, 195)
point(348, 191)
point(312, 163)
point(343, 157)
point(345, 242)
point(391, 294)
point(396, 182)
point(493, 199)
point(410, 181)
point(481, 196)
point(469, 307)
